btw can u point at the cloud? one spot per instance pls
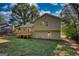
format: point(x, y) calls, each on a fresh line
point(62, 4)
point(43, 12)
point(12, 4)
point(57, 12)
point(54, 3)
point(49, 12)
point(5, 14)
point(4, 7)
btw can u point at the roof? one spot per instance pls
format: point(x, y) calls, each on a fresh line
point(27, 25)
point(47, 15)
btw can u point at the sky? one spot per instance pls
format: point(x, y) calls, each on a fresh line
point(51, 8)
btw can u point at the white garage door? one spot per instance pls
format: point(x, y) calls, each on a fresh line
point(40, 35)
point(46, 35)
point(55, 35)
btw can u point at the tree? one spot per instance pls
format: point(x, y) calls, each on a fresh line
point(33, 13)
point(13, 24)
point(70, 21)
point(75, 6)
point(25, 12)
point(2, 21)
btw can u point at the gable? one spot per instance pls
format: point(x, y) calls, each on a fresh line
point(52, 22)
point(48, 15)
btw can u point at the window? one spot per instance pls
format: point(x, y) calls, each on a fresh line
point(45, 23)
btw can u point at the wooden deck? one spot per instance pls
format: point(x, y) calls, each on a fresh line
point(24, 35)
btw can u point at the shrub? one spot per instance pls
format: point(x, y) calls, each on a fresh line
point(70, 32)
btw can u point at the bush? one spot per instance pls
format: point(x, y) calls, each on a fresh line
point(70, 32)
point(74, 36)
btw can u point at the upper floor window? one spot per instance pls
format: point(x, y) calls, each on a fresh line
point(44, 23)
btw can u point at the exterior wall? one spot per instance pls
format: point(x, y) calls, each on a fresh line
point(40, 35)
point(53, 24)
point(55, 35)
point(46, 35)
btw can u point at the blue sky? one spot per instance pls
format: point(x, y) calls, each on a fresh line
point(52, 8)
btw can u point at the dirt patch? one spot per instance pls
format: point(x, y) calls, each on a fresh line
point(73, 44)
point(3, 40)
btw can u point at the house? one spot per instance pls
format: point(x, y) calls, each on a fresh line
point(46, 27)
point(5, 29)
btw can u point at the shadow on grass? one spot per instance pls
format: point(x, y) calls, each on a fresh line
point(34, 47)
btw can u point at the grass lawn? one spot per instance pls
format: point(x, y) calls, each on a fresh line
point(34, 47)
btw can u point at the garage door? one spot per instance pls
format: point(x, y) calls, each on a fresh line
point(40, 35)
point(55, 35)
point(46, 35)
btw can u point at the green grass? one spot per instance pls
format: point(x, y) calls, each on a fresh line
point(33, 47)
